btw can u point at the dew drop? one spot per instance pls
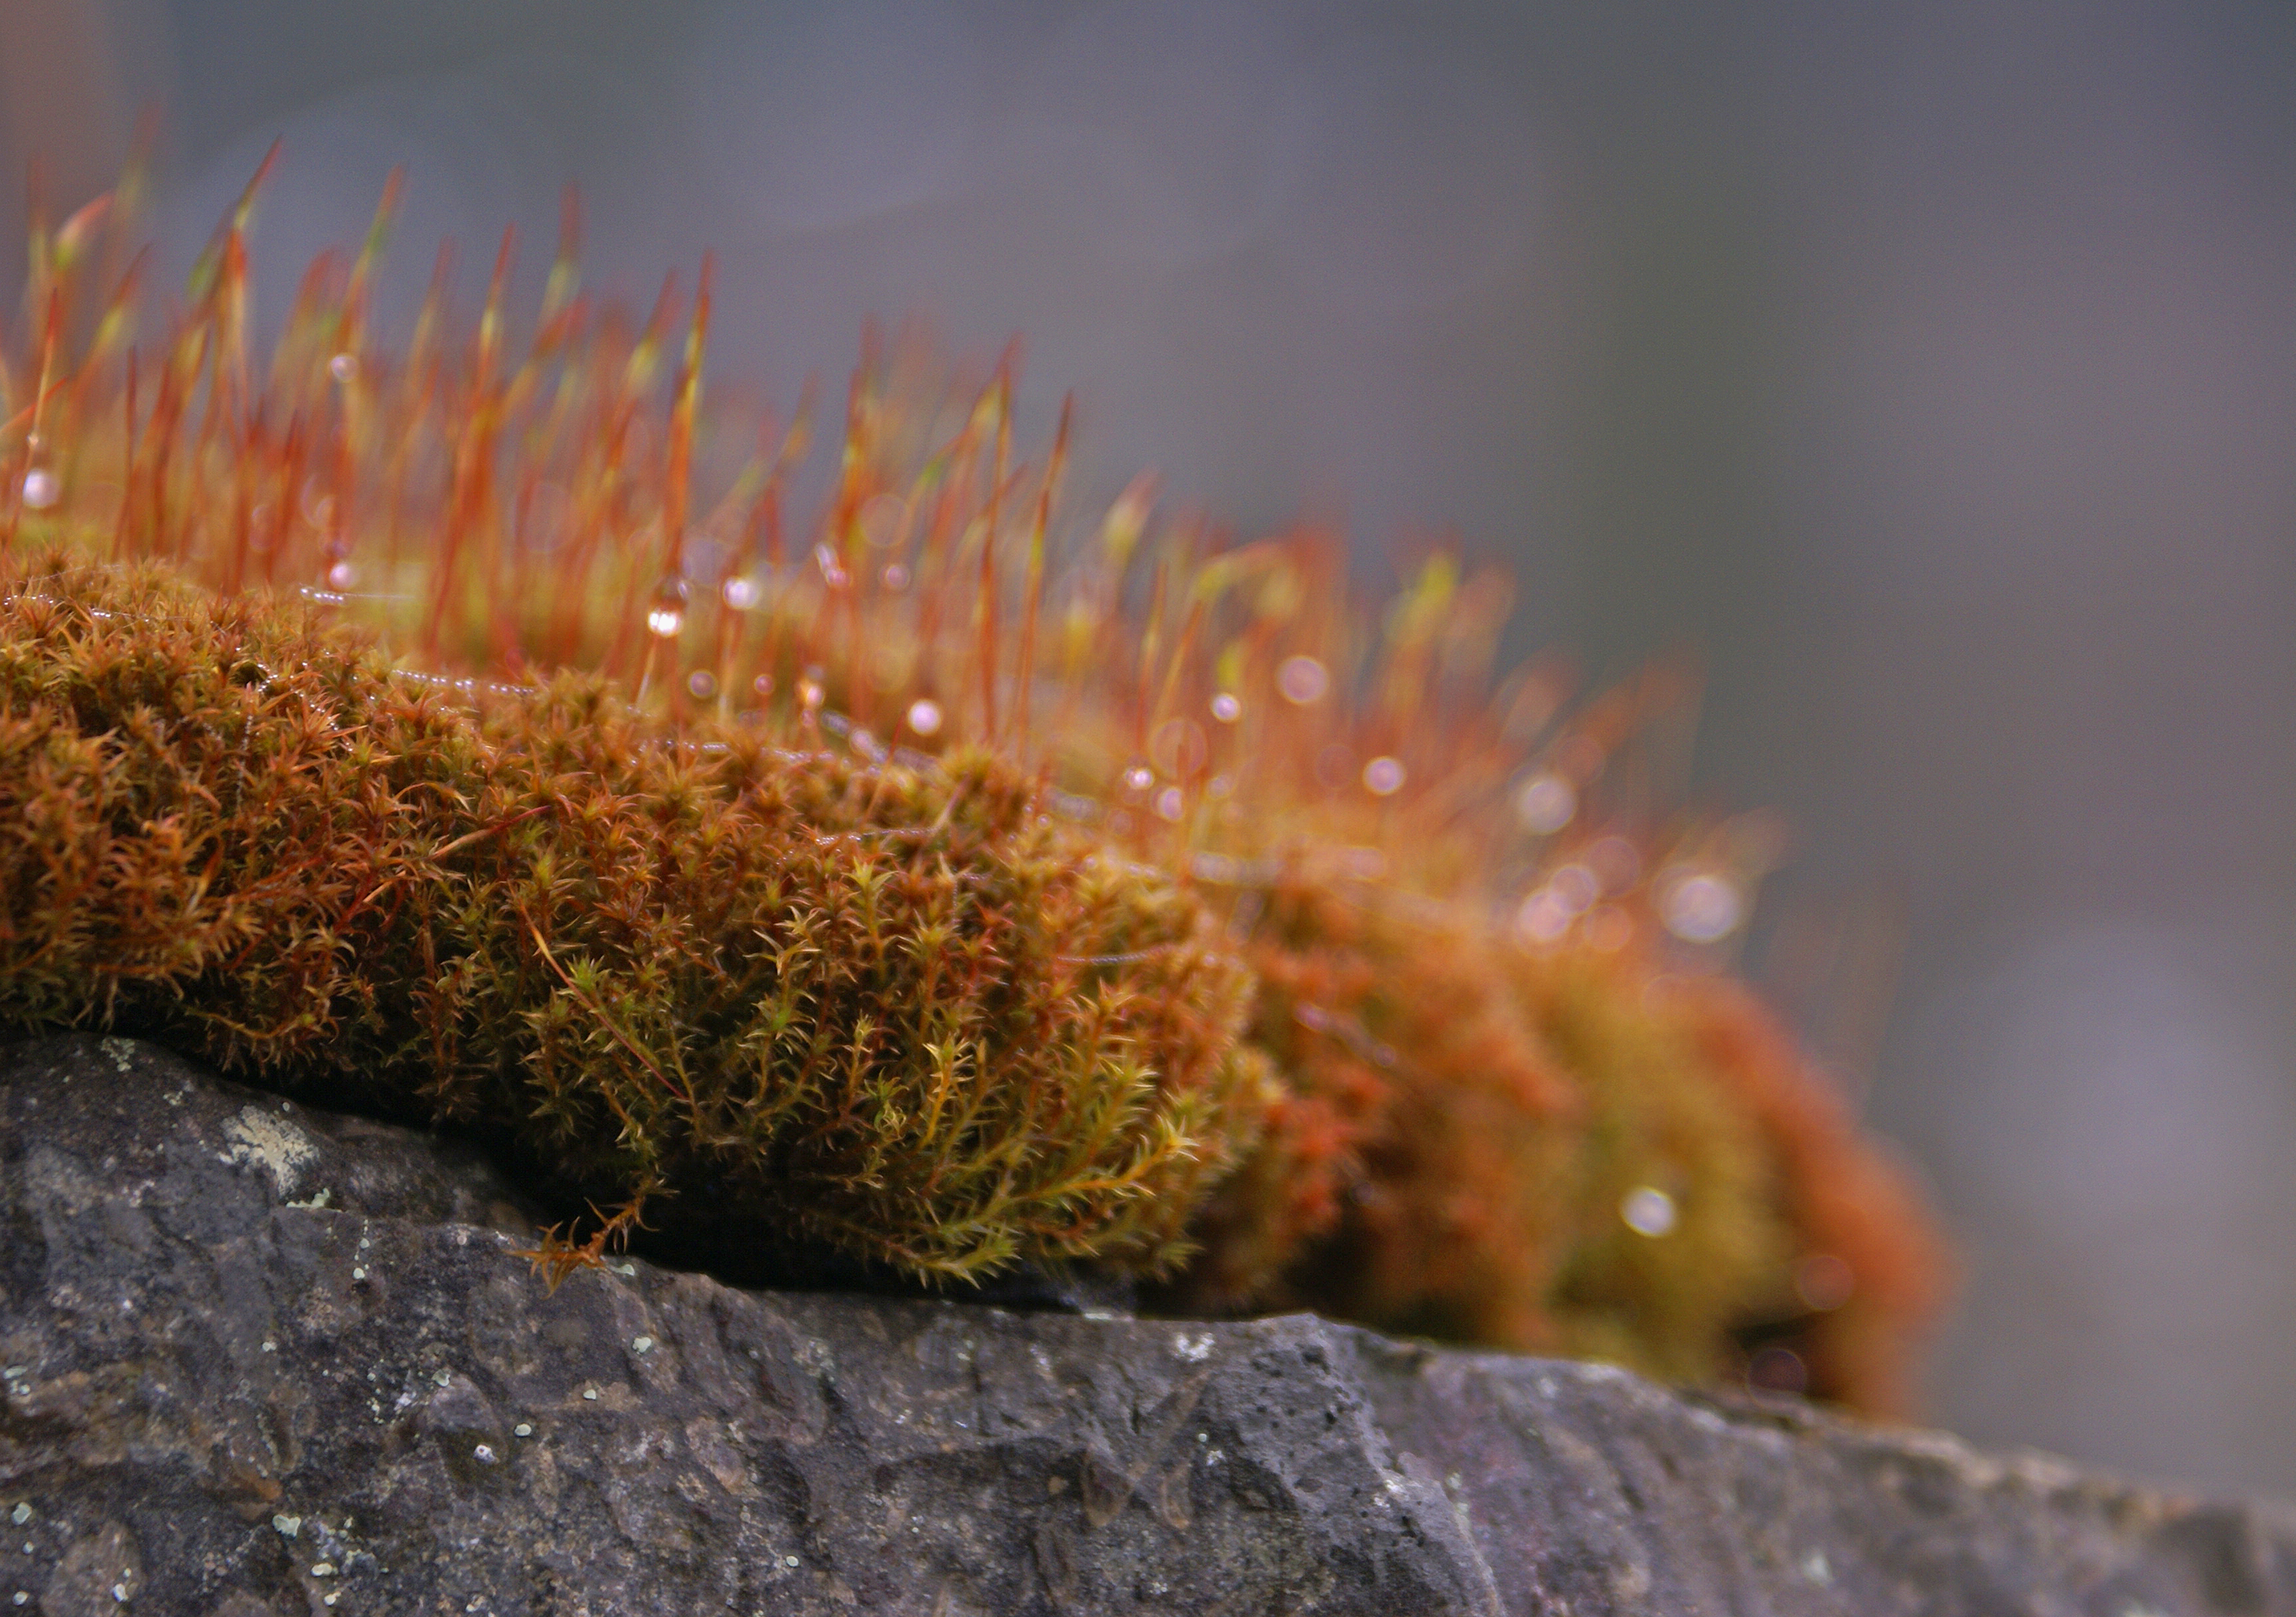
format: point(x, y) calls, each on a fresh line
point(343, 367)
point(1384, 777)
point(741, 592)
point(1543, 918)
point(811, 694)
point(832, 571)
point(342, 576)
point(1138, 779)
point(1648, 1211)
point(42, 488)
point(1824, 1282)
point(1302, 680)
point(896, 576)
point(701, 684)
point(1702, 908)
point(1545, 804)
point(924, 716)
point(1226, 708)
point(1169, 804)
point(1575, 888)
point(763, 685)
point(1777, 1370)
point(666, 618)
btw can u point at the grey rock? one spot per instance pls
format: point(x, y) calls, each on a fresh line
point(257, 1358)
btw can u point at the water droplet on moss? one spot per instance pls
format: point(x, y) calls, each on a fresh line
point(924, 716)
point(1302, 680)
point(1702, 908)
point(1545, 804)
point(1226, 708)
point(1384, 777)
point(1648, 1211)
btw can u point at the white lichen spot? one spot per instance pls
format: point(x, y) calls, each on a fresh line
point(322, 1569)
point(270, 1346)
point(288, 1526)
point(1195, 1349)
point(122, 1052)
point(523, 1429)
point(642, 1344)
point(281, 1149)
point(1816, 1568)
point(23, 1511)
point(590, 1395)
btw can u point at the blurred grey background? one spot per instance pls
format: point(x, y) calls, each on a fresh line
point(1930, 370)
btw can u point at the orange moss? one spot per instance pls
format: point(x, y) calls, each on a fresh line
point(919, 878)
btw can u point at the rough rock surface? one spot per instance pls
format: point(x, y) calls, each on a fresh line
point(256, 1358)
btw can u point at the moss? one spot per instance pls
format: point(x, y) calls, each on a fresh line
point(893, 1010)
point(468, 733)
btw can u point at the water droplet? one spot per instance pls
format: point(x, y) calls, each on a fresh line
point(1178, 748)
point(1169, 804)
point(811, 695)
point(702, 684)
point(1226, 708)
point(1384, 777)
point(342, 367)
point(1302, 680)
point(763, 685)
point(896, 576)
point(1777, 1370)
point(924, 716)
point(741, 592)
point(1138, 779)
point(1824, 1282)
point(1543, 918)
point(666, 618)
point(1702, 908)
point(42, 488)
point(1648, 1211)
point(1221, 786)
point(1574, 888)
point(1545, 804)
point(342, 576)
point(832, 571)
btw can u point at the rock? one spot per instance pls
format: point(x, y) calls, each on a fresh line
point(257, 1358)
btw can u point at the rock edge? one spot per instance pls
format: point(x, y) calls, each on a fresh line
point(257, 1358)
